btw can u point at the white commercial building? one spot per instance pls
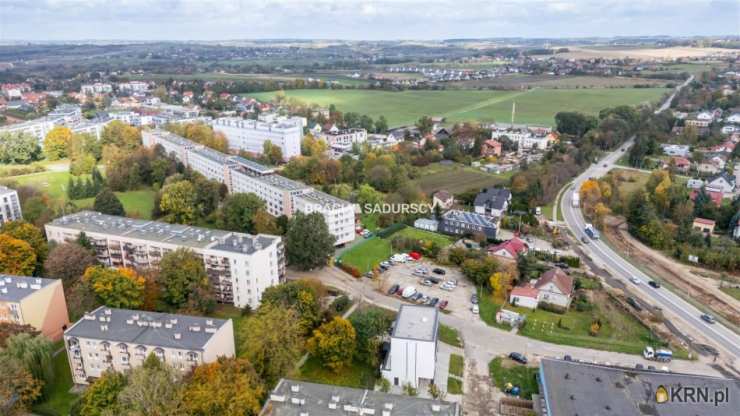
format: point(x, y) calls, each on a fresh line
point(412, 358)
point(96, 88)
point(282, 196)
point(240, 266)
point(250, 135)
point(133, 86)
point(526, 137)
point(121, 339)
point(341, 141)
point(10, 205)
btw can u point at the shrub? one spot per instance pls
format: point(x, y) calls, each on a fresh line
point(340, 304)
point(352, 270)
point(552, 307)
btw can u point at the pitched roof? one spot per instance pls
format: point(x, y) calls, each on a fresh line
point(714, 196)
point(528, 291)
point(442, 195)
point(513, 246)
point(559, 278)
point(493, 197)
point(703, 221)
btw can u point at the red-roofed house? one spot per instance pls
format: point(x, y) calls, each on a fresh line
point(714, 196)
point(555, 287)
point(682, 164)
point(704, 225)
point(509, 249)
point(491, 148)
point(524, 296)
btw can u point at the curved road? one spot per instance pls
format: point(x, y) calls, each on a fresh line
point(716, 334)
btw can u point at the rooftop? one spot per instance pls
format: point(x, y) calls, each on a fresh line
point(416, 322)
point(17, 288)
point(569, 388)
point(5, 190)
point(323, 198)
point(495, 198)
point(146, 328)
point(469, 217)
point(299, 398)
point(180, 235)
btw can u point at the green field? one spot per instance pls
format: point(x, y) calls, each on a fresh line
point(504, 370)
point(456, 178)
point(536, 106)
point(449, 335)
point(732, 291)
point(137, 204)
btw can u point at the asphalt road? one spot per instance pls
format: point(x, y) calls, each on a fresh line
point(715, 334)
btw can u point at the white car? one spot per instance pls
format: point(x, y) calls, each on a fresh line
point(408, 292)
point(635, 280)
point(475, 309)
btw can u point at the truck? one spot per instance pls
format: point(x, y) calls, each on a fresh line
point(591, 232)
point(575, 200)
point(660, 354)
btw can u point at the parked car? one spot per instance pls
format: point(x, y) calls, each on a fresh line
point(639, 366)
point(708, 318)
point(562, 265)
point(442, 305)
point(408, 292)
point(393, 289)
point(369, 275)
point(434, 280)
point(434, 302)
point(427, 282)
point(425, 300)
point(474, 299)
point(416, 297)
point(518, 357)
point(437, 270)
point(651, 367)
point(399, 291)
point(567, 358)
point(654, 284)
point(385, 264)
point(584, 240)
point(632, 302)
point(414, 255)
point(445, 286)
point(475, 309)
point(453, 282)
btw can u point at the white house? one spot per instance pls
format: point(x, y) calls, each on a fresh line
point(734, 118)
point(412, 358)
point(524, 296)
point(426, 224)
point(675, 149)
point(443, 199)
point(723, 182)
point(555, 287)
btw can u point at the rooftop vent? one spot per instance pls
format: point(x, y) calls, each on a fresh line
point(4, 290)
point(388, 406)
point(436, 408)
point(103, 328)
point(295, 388)
point(35, 287)
point(168, 326)
point(299, 402)
point(195, 328)
point(332, 406)
point(130, 321)
point(277, 398)
point(335, 398)
point(177, 335)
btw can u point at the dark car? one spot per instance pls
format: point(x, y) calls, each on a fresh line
point(639, 366)
point(474, 299)
point(434, 302)
point(369, 275)
point(439, 271)
point(567, 358)
point(443, 304)
point(584, 240)
point(651, 367)
point(654, 284)
point(708, 318)
point(562, 265)
point(632, 302)
point(393, 289)
point(520, 358)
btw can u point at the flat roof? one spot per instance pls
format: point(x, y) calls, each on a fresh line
point(322, 198)
point(176, 234)
point(16, 288)
point(572, 388)
point(416, 322)
point(283, 182)
point(296, 398)
point(146, 328)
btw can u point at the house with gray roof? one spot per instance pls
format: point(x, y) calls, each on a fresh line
point(121, 339)
point(492, 202)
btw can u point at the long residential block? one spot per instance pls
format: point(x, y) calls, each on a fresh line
point(240, 266)
point(121, 339)
point(250, 135)
point(282, 196)
point(34, 301)
point(10, 205)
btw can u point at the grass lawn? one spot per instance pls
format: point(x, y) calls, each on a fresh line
point(456, 178)
point(454, 386)
point(457, 363)
point(235, 314)
point(535, 106)
point(732, 291)
point(359, 374)
point(449, 335)
point(367, 254)
point(418, 234)
point(504, 370)
point(138, 204)
point(632, 180)
point(52, 183)
point(60, 400)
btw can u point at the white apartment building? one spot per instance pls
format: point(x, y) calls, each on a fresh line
point(64, 115)
point(38, 128)
point(121, 339)
point(341, 141)
point(413, 355)
point(282, 196)
point(526, 137)
point(250, 135)
point(10, 205)
point(96, 88)
point(133, 86)
point(132, 118)
point(240, 266)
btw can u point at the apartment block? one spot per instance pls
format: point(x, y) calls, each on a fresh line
point(342, 140)
point(526, 137)
point(240, 266)
point(413, 354)
point(250, 135)
point(282, 196)
point(34, 301)
point(10, 205)
point(121, 339)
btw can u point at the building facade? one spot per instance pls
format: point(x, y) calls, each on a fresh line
point(34, 301)
point(342, 140)
point(121, 339)
point(413, 355)
point(458, 222)
point(239, 266)
point(10, 205)
point(250, 135)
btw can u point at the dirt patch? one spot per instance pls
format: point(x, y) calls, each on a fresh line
point(680, 276)
point(643, 53)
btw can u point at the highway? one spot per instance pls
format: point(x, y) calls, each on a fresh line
point(715, 334)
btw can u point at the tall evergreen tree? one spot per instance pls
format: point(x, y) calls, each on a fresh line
point(108, 203)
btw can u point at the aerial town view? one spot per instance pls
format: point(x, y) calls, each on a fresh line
point(361, 207)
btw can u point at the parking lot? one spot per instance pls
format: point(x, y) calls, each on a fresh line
point(406, 274)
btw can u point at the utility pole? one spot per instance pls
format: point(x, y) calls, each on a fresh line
point(513, 113)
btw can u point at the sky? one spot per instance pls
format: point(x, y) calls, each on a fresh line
point(39, 20)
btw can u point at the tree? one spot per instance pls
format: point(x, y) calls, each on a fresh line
point(181, 276)
point(56, 143)
point(9, 329)
point(334, 343)
point(16, 382)
point(574, 123)
point(17, 257)
point(499, 282)
point(178, 202)
point(82, 164)
point(107, 202)
point(311, 146)
point(425, 125)
point(370, 326)
point(35, 354)
point(271, 153)
point(101, 397)
point(272, 352)
point(479, 270)
point(153, 389)
point(117, 288)
point(68, 261)
point(120, 134)
point(19, 148)
point(30, 234)
point(367, 195)
point(265, 223)
point(238, 211)
point(308, 241)
point(228, 387)
point(303, 296)
point(381, 125)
